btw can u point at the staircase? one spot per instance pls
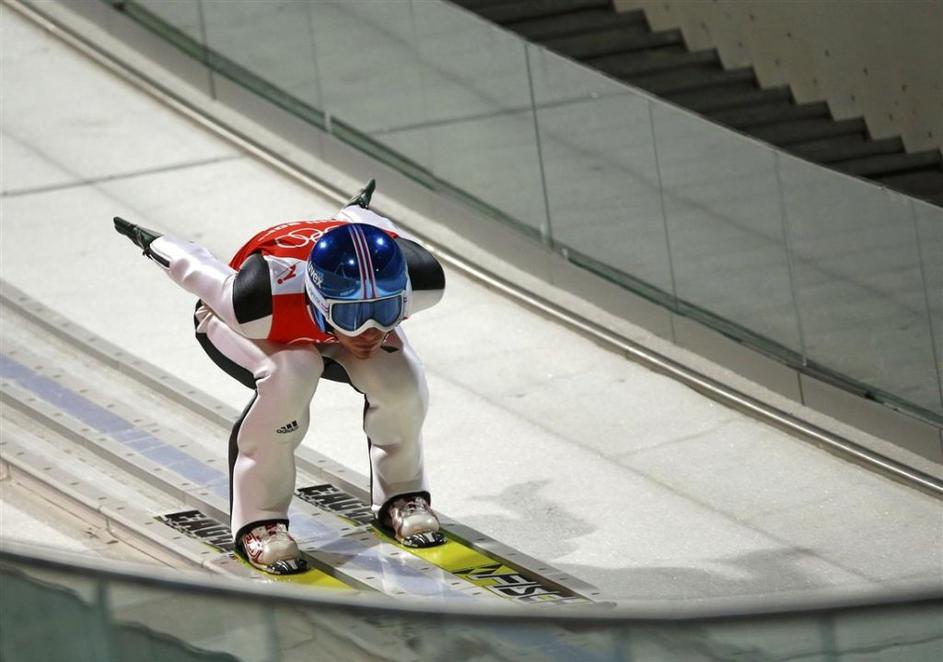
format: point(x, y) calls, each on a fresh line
point(623, 46)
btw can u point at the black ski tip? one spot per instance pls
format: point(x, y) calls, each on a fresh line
point(424, 539)
point(362, 199)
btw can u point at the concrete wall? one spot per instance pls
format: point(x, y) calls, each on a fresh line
point(880, 59)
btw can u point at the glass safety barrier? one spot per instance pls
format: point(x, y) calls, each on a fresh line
point(53, 609)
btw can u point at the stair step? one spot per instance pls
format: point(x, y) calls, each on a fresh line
point(843, 148)
point(692, 78)
point(568, 25)
point(888, 164)
point(800, 131)
point(921, 184)
point(617, 40)
point(523, 10)
point(623, 46)
point(744, 118)
point(477, 4)
point(732, 96)
point(641, 63)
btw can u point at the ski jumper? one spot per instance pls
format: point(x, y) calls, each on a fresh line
point(254, 322)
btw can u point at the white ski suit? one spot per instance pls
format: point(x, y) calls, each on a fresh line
point(253, 321)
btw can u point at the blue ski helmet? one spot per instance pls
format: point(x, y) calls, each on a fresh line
point(357, 279)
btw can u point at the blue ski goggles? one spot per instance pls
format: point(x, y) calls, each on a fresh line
point(354, 317)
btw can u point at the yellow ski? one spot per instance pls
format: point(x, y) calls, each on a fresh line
point(454, 556)
point(217, 535)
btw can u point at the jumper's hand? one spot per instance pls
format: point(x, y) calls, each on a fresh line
point(141, 237)
point(362, 199)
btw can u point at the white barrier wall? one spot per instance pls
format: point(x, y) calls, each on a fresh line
point(880, 59)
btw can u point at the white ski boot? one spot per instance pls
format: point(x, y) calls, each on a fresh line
point(269, 547)
point(413, 523)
